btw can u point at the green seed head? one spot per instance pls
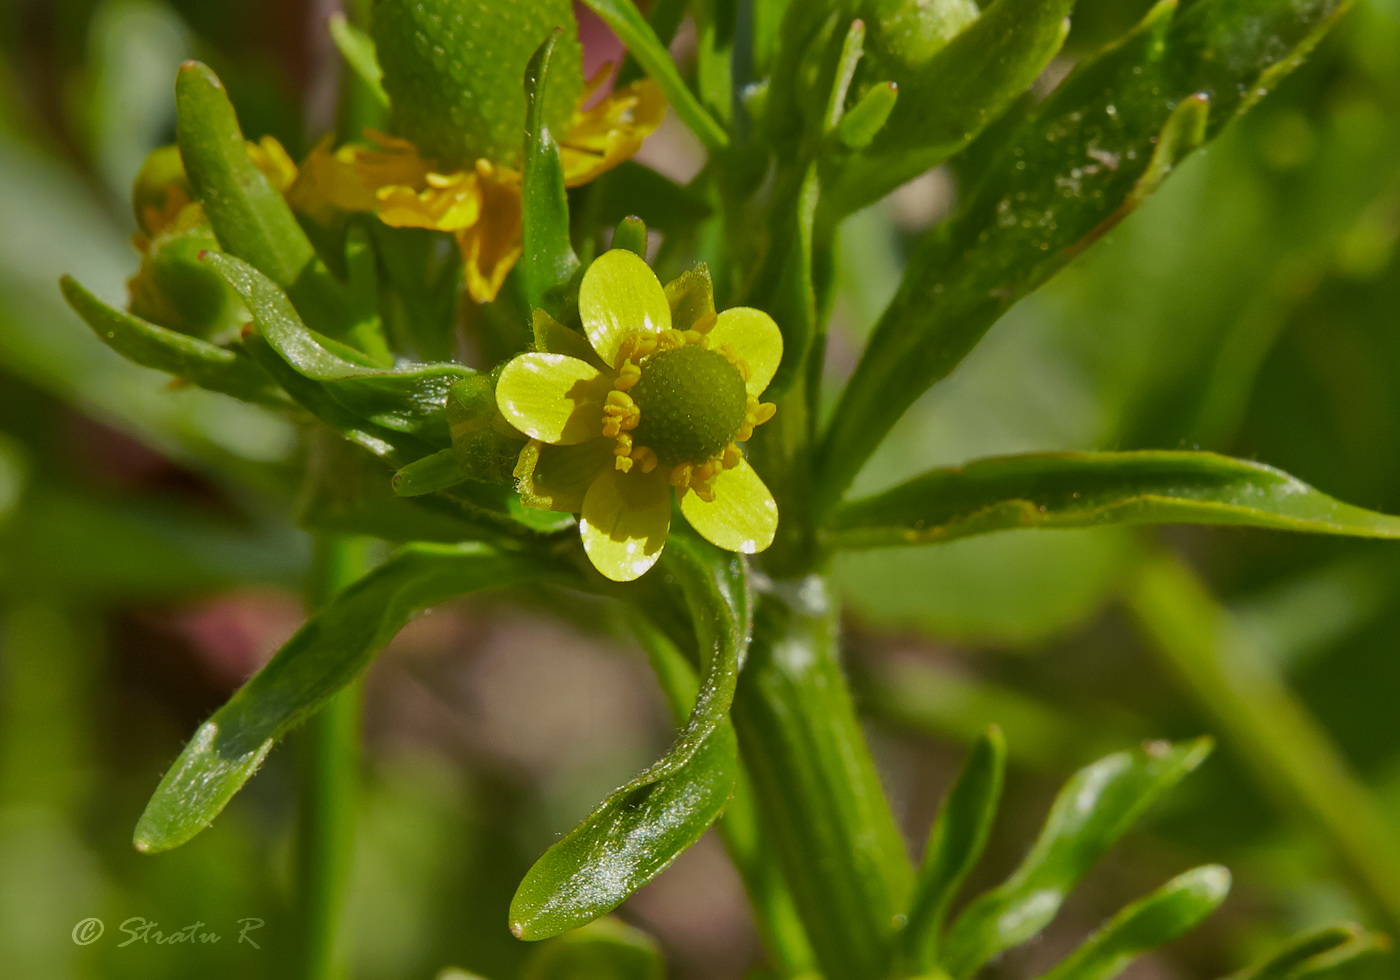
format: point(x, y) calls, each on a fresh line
point(692, 403)
point(454, 71)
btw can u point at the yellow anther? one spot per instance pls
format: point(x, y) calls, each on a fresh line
point(623, 464)
point(764, 412)
point(619, 403)
point(704, 491)
point(732, 456)
point(624, 445)
point(628, 377)
point(670, 339)
point(611, 427)
point(644, 458)
point(745, 433)
point(680, 475)
point(636, 346)
point(694, 337)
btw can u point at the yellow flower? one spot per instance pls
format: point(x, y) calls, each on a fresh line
point(655, 399)
point(479, 205)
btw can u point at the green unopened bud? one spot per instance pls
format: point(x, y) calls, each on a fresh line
point(454, 73)
point(487, 445)
point(175, 289)
point(161, 190)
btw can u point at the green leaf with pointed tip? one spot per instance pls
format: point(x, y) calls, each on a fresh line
point(327, 653)
point(1061, 490)
point(1072, 168)
point(642, 827)
point(403, 407)
point(955, 845)
point(947, 100)
point(548, 258)
point(197, 361)
point(602, 950)
point(1096, 807)
point(1330, 953)
point(1168, 913)
point(629, 25)
point(430, 474)
point(249, 215)
point(357, 48)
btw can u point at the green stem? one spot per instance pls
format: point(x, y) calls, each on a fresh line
point(1275, 735)
point(331, 747)
point(815, 784)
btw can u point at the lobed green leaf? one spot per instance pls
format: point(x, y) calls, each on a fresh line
point(1096, 807)
point(328, 652)
point(1061, 490)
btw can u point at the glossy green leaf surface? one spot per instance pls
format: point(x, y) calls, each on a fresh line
point(405, 407)
point(548, 259)
point(629, 25)
point(196, 361)
point(955, 845)
point(1074, 167)
point(329, 651)
point(642, 827)
point(1095, 808)
point(1084, 489)
point(1155, 920)
point(249, 215)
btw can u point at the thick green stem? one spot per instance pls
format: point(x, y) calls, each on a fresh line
point(331, 747)
point(815, 783)
point(1274, 734)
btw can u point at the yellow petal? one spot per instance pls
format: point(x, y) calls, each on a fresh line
point(742, 517)
point(447, 202)
point(750, 336)
point(557, 477)
point(618, 296)
point(624, 523)
point(553, 398)
point(492, 245)
point(604, 135)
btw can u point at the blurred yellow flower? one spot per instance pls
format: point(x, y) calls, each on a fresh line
point(479, 205)
point(656, 398)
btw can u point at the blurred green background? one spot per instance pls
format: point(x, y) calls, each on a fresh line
point(147, 565)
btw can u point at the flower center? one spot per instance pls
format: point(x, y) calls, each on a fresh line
point(692, 402)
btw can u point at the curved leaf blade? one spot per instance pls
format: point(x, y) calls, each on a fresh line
point(548, 258)
point(1096, 807)
point(1167, 914)
point(1322, 954)
point(1062, 490)
point(637, 832)
point(197, 361)
point(329, 651)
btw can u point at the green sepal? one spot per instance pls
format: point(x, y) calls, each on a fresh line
point(1095, 808)
point(486, 445)
point(175, 289)
point(452, 69)
point(327, 653)
point(199, 362)
point(440, 471)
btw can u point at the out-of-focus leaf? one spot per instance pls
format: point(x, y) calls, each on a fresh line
point(1085, 489)
point(405, 407)
point(1096, 807)
point(1081, 161)
point(1171, 911)
point(1330, 953)
point(548, 259)
point(947, 101)
point(602, 950)
point(642, 827)
point(629, 25)
point(357, 48)
point(632, 189)
point(250, 217)
point(954, 846)
point(197, 361)
point(328, 652)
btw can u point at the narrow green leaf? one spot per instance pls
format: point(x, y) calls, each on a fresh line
point(1062, 490)
point(197, 361)
point(954, 96)
point(1096, 807)
point(1323, 954)
point(629, 25)
point(357, 48)
point(860, 125)
point(328, 652)
point(642, 827)
point(430, 474)
point(250, 217)
point(405, 407)
point(1076, 165)
point(602, 950)
point(1168, 913)
point(669, 806)
point(955, 845)
point(548, 259)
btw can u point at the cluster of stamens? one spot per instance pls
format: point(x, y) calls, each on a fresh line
point(622, 415)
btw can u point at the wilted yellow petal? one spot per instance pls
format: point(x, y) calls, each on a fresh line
point(603, 136)
point(743, 515)
point(553, 398)
point(620, 295)
point(750, 336)
point(624, 522)
point(491, 246)
point(557, 477)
